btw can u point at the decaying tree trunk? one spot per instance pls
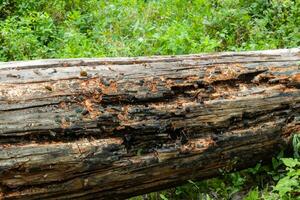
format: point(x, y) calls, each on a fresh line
point(113, 128)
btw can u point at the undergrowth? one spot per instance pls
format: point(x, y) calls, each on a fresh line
point(31, 29)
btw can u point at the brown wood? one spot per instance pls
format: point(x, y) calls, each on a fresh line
point(112, 128)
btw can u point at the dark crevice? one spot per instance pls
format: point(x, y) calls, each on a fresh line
point(3, 188)
point(229, 82)
point(30, 107)
point(107, 100)
point(248, 77)
point(242, 78)
point(266, 80)
point(54, 135)
point(181, 89)
point(294, 85)
point(108, 129)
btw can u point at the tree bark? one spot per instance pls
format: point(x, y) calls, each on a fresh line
point(112, 128)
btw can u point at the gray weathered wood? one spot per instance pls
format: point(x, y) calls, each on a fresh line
point(117, 127)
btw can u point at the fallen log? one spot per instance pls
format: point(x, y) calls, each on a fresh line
point(112, 128)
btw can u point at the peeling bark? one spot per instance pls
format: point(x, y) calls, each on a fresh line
point(112, 128)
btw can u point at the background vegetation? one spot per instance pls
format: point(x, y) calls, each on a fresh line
point(31, 29)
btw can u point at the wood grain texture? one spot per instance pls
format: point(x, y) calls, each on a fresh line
point(112, 128)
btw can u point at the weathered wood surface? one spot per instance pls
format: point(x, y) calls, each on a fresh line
point(117, 127)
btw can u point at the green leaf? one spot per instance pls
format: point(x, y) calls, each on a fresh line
point(296, 145)
point(286, 185)
point(294, 173)
point(290, 162)
point(193, 183)
point(178, 192)
point(275, 163)
point(163, 197)
point(252, 195)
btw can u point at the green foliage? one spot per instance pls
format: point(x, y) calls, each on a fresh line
point(296, 145)
point(163, 197)
point(252, 195)
point(92, 28)
point(290, 183)
point(288, 187)
point(26, 37)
